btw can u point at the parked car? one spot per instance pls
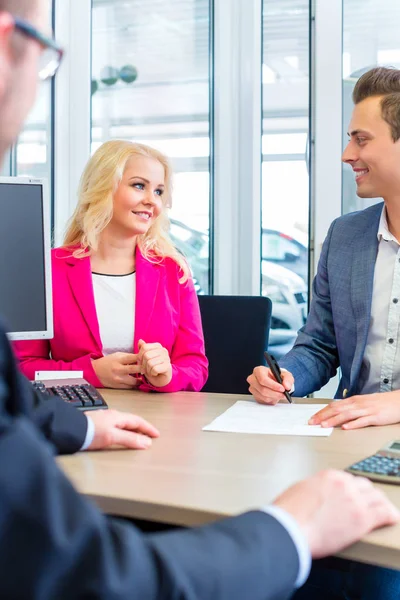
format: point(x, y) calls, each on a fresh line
point(286, 249)
point(194, 246)
point(288, 293)
point(286, 289)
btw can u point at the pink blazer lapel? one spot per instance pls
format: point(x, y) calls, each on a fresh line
point(80, 280)
point(147, 281)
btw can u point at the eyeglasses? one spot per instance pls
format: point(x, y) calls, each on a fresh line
point(52, 53)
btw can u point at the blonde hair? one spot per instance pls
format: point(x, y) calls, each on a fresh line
point(94, 210)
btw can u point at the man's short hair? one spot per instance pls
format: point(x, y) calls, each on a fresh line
point(385, 82)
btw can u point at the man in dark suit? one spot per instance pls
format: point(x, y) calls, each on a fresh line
point(55, 544)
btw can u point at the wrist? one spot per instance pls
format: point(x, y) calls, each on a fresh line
point(161, 380)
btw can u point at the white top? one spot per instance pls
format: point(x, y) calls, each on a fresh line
point(380, 370)
point(114, 297)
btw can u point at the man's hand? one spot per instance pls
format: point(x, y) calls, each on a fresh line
point(336, 509)
point(116, 370)
point(114, 428)
point(265, 388)
point(360, 411)
point(155, 363)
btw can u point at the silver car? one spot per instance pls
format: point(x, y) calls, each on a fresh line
point(288, 292)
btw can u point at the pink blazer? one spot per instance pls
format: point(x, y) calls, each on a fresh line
point(166, 312)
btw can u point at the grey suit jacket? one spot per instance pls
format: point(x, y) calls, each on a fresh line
point(336, 330)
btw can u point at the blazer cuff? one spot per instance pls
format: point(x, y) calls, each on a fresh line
point(298, 538)
point(91, 430)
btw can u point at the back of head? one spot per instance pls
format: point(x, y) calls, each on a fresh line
point(384, 82)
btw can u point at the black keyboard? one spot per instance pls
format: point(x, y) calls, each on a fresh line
point(82, 396)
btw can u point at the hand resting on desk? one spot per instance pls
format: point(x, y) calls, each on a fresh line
point(336, 509)
point(123, 429)
point(360, 411)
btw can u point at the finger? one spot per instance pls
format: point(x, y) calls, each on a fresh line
point(127, 358)
point(267, 396)
point(333, 409)
point(362, 483)
point(150, 346)
point(160, 369)
point(366, 421)
point(130, 439)
point(156, 360)
point(264, 378)
point(131, 369)
point(344, 417)
point(155, 353)
point(384, 512)
point(263, 390)
point(150, 350)
point(138, 424)
point(385, 515)
point(141, 347)
point(130, 422)
point(287, 379)
point(271, 398)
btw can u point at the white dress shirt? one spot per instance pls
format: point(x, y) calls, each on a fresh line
point(114, 297)
point(380, 369)
point(89, 433)
point(298, 538)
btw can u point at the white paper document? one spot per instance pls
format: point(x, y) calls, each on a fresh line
point(281, 419)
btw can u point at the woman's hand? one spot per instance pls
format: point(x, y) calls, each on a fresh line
point(155, 363)
point(117, 370)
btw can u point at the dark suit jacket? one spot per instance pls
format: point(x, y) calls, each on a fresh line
point(55, 545)
point(62, 425)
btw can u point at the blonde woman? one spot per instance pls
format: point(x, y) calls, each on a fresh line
point(125, 309)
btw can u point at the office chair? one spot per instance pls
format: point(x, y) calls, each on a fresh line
point(236, 330)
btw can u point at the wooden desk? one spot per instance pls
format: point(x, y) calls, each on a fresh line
point(190, 477)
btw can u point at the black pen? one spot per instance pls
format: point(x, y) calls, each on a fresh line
point(276, 372)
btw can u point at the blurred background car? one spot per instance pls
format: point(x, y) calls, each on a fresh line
point(286, 249)
point(288, 293)
point(286, 289)
point(194, 246)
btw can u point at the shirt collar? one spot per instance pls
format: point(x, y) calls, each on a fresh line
point(383, 229)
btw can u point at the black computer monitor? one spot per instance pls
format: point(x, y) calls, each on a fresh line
point(25, 260)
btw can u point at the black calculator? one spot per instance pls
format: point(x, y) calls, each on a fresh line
point(384, 466)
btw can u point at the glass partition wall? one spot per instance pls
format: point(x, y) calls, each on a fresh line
point(285, 167)
point(151, 84)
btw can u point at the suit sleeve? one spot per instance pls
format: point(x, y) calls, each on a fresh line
point(35, 356)
point(55, 544)
point(188, 359)
point(314, 358)
point(62, 425)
